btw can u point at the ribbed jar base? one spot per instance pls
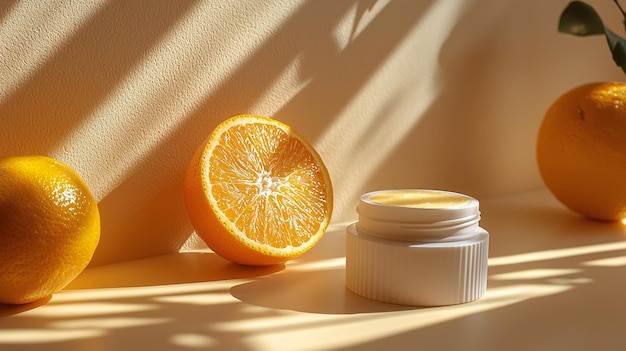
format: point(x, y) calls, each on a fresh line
point(431, 274)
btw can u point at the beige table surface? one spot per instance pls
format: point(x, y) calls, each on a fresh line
point(556, 282)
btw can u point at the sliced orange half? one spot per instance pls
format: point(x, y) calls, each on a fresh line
point(257, 192)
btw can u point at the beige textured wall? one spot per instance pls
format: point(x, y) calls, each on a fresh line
point(436, 93)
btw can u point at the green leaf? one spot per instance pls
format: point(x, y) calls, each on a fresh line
point(618, 48)
point(581, 19)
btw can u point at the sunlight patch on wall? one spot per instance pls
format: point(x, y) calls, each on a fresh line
point(355, 20)
point(38, 28)
point(285, 85)
point(369, 130)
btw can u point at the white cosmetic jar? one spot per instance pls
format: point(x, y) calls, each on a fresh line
point(417, 247)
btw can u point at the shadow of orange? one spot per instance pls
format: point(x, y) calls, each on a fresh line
point(7, 309)
point(176, 268)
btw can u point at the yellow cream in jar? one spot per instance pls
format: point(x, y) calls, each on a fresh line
point(419, 198)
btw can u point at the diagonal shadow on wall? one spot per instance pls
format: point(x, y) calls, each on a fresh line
point(56, 99)
point(5, 8)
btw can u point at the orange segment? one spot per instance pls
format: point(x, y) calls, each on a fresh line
point(257, 192)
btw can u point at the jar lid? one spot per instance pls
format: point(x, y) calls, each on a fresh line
point(416, 215)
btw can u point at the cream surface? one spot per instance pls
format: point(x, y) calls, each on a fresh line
point(420, 199)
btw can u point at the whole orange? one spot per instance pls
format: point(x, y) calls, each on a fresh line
point(49, 227)
point(581, 150)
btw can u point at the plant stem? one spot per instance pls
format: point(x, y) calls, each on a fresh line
point(620, 8)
